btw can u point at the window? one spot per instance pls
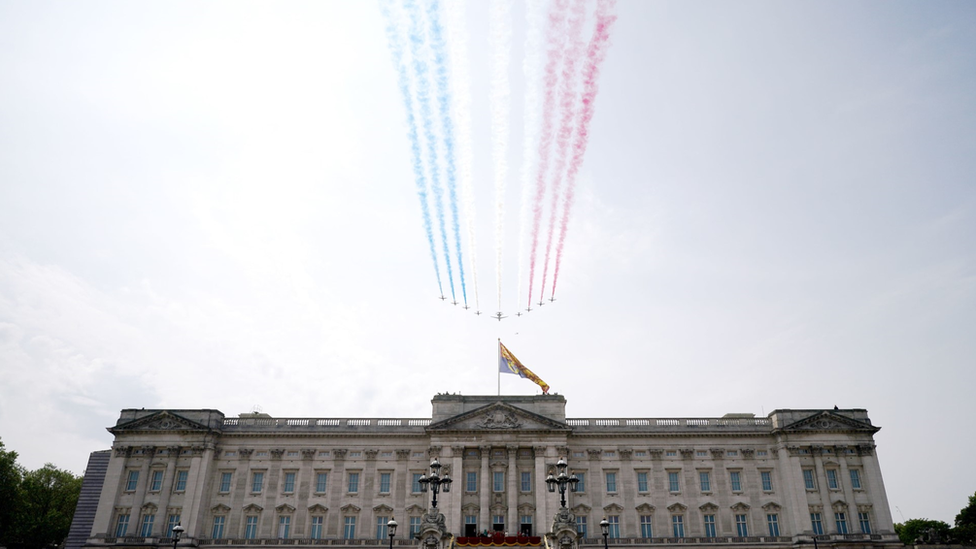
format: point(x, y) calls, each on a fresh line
point(147, 525)
point(385, 483)
point(180, 480)
point(762, 453)
point(251, 527)
point(525, 525)
point(673, 485)
point(732, 453)
point(321, 482)
point(217, 532)
point(840, 520)
point(348, 527)
point(855, 479)
point(470, 525)
point(415, 487)
point(614, 521)
point(611, 482)
point(709, 526)
point(257, 482)
point(741, 528)
point(289, 483)
point(173, 520)
point(642, 482)
point(640, 454)
point(581, 526)
point(817, 523)
point(609, 454)
point(498, 523)
point(471, 482)
point(736, 482)
point(678, 526)
point(414, 526)
point(808, 479)
point(526, 481)
point(705, 481)
point(353, 484)
point(386, 454)
point(225, 482)
point(355, 454)
point(132, 481)
point(645, 526)
point(671, 453)
point(498, 481)
point(284, 526)
point(316, 532)
point(865, 522)
point(156, 482)
point(772, 521)
point(832, 479)
point(701, 453)
point(293, 454)
point(581, 485)
point(767, 480)
point(381, 530)
point(122, 525)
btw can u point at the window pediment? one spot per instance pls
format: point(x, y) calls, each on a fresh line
point(582, 509)
point(645, 508)
point(741, 507)
point(677, 508)
point(613, 508)
point(220, 509)
point(771, 507)
point(414, 510)
point(708, 507)
point(253, 508)
point(350, 509)
point(382, 509)
point(285, 508)
point(318, 508)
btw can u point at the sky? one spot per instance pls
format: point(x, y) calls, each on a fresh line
point(212, 205)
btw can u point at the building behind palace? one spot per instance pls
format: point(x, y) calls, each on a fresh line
point(795, 477)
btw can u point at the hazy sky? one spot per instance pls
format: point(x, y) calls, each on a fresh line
point(210, 205)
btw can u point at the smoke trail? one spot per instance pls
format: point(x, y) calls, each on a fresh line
point(556, 17)
point(447, 127)
point(418, 52)
point(595, 55)
point(499, 40)
point(395, 38)
point(457, 44)
point(531, 66)
point(567, 102)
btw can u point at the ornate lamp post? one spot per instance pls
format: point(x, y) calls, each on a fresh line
point(561, 480)
point(605, 528)
point(435, 482)
point(391, 530)
point(177, 533)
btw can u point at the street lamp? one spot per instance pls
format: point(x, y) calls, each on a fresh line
point(177, 532)
point(561, 479)
point(605, 528)
point(435, 481)
point(391, 530)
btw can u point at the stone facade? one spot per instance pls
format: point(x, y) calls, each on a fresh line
point(254, 479)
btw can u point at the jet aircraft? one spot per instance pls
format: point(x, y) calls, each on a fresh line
point(499, 316)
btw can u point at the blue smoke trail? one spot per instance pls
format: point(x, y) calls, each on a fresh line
point(396, 48)
point(423, 100)
point(444, 107)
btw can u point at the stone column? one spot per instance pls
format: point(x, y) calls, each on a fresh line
point(234, 526)
point(511, 523)
point(140, 496)
point(824, 491)
point(845, 483)
point(874, 486)
point(628, 491)
point(303, 492)
point(336, 490)
point(195, 498)
point(454, 520)
point(111, 489)
point(541, 491)
point(166, 491)
point(791, 473)
point(484, 498)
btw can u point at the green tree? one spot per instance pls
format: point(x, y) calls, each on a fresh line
point(965, 530)
point(11, 475)
point(913, 529)
point(48, 499)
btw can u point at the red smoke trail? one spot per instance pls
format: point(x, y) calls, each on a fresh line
point(567, 101)
point(556, 16)
point(595, 55)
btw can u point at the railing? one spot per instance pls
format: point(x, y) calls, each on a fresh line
point(379, 424)
point(690, 540)
point(417, 424)
point(668, 424)
point(308, 541)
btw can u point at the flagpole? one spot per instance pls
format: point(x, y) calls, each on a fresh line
point(497, 368)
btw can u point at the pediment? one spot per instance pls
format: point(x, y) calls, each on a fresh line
point(220, 509)
point(382, 508)
point(827, 421)
point(350, 508)
point(771, 507)
point(582, 509)
point(414, 510)
point(677, 508)
point(645, 508)
point(740, 507)
point(163, 420)
point(285, 508)
point(498, 416)
point(708, 507)
point(613, 508)
point(318, 508)
point(253, 508)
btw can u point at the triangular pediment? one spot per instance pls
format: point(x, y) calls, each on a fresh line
point(163, 420)
point(829, 421)
point(498, 416)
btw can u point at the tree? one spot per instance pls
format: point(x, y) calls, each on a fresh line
point(913, 529)
point(48, 499)
point(965, 530)
point(10, 479)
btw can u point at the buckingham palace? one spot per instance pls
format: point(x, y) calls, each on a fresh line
point(487, 470)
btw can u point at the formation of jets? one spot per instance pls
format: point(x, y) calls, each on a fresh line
point(499, 315)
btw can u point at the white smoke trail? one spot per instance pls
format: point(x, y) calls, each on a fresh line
point(532, 69)
point(457, 44)
point(499, 40)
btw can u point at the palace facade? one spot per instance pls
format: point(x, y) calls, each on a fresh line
point(795, 477)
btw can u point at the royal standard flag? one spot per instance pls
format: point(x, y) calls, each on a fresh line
point(508, 364)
